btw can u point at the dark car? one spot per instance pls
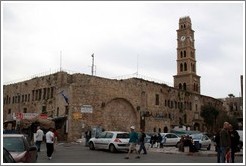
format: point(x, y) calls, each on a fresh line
point(19, 148)
point(7, 158)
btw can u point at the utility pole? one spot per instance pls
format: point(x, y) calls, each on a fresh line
point(92, 67)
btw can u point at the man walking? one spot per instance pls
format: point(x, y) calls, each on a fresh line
point(39, 138)
point(133, 142)
point(225, 142)
point(142, 142)
point(50, 143)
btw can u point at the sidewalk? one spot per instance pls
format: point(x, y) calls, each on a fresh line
point(174, 150)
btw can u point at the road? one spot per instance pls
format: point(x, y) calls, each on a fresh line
point(78, 153)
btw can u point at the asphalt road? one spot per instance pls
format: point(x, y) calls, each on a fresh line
point(78, 153)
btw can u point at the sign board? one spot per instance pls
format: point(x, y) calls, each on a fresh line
point(29, 115)
point(77, 115)
point(86, 109)
point(20, 115)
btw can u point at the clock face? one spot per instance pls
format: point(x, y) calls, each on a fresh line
point(182, 38)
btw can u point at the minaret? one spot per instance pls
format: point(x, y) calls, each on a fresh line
point(186, 78)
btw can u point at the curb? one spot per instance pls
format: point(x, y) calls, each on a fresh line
point(199, 153)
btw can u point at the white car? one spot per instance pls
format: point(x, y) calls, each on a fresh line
point(170, 139)
point(110, 140)
point(201, 141)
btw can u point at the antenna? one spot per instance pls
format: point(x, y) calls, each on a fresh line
point(92, 67)
point(137, 65)
point(60, 61)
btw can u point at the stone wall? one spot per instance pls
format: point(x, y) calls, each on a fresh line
point(116, 104)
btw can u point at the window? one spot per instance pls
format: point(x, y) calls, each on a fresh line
point(185, 67)
point(9, 111)
point(52, 92)
point(181, 54)
point(180, 86)
point(44, 94)
point(156, 99)
point(43, 109)
point(184, 86)
point(57, 111)
point(181, 67)
point(184, 53)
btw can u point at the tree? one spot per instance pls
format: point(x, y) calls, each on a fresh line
point(209, 114)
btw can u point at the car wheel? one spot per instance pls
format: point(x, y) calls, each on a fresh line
point(112, 148)
point(91, 146)
point(209, 147)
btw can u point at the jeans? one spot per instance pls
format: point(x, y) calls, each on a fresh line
point(142, 147)
point(222, 154)
point(38, 144)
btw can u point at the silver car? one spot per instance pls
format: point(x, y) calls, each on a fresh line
point(170, 139)
point(201, 141)
point(110, 140)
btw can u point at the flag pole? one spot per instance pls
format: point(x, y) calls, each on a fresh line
point(92, 67)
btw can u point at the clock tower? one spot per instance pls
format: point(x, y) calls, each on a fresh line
point(186, 78)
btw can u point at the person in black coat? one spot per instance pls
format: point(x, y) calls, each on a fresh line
point(234, 142)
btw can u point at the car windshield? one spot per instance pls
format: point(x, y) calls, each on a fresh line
point(196, 136)
point(13, 144)
point(122, 135)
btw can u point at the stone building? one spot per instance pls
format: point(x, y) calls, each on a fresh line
point(77, 102)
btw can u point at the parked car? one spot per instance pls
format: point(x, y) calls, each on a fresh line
point(170, 139)
point(19, 148)
point(201, 141)
point(7, 157)
point(110, 140)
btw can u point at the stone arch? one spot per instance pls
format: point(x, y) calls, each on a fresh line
point(119, 114)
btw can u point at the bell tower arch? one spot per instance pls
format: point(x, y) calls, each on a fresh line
point(186, 78)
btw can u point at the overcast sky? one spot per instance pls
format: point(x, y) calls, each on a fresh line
point(126, 38)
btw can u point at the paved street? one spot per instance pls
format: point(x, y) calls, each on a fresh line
point(78, 153)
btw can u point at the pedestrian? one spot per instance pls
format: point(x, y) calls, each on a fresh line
point(87, 136)
point(142, 142)
point(225, 142)
point(39, 138)
point(50, 143)
point(133, 142)
point(234, 136)
point(217, 145)
point(159, 141)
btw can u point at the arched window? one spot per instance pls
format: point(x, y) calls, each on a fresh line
point(184, 86)
point(181, 67)
point(181, 54)
point(184, 25)
point(185, 67)
point(181, 26)
point(184, 53)
point(180, 86)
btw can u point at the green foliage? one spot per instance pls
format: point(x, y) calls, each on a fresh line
point(209, 114)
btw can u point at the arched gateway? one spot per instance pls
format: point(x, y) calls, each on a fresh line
point(119, 115)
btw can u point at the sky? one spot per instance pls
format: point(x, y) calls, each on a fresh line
point(128, 39)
